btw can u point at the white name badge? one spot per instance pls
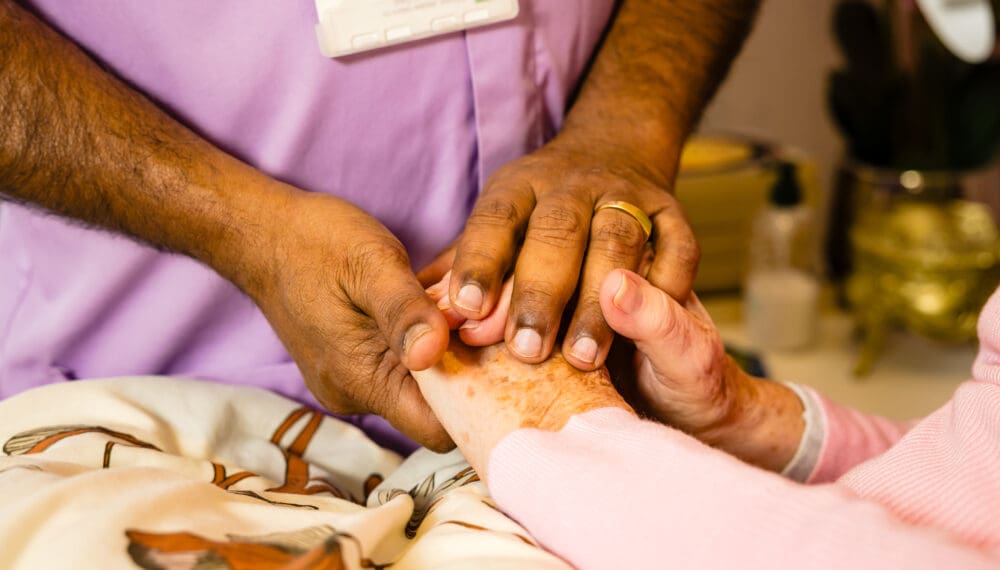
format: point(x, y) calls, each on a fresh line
point(352, 26)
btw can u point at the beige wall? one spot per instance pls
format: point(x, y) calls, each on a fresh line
point(776, 88)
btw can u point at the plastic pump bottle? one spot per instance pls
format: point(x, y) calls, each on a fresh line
point(782, 288)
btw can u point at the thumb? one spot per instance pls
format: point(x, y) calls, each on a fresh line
point(408, 319)
point(664, 331)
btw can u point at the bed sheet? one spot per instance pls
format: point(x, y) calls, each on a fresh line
point(157, 472)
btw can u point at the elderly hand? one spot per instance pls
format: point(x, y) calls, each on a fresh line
point(536, 217)
point(481, 395)
point(338, 289)
point(688, 381)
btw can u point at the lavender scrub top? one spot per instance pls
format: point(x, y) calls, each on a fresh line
point(407, 133)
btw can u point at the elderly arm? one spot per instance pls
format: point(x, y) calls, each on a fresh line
point(686, 380)
point(567, 458)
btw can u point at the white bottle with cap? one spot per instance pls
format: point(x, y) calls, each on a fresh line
point(781, 293)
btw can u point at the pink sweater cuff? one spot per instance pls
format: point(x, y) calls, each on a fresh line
point(851, 438)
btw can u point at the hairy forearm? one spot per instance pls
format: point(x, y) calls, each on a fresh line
point(661, 62)
point(78, 142)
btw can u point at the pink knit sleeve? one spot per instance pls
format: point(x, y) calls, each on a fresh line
point(612, 491)
point(851, 437)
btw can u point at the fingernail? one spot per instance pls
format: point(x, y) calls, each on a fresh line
point(413, 334)
point(585, 350)
point(470, 298)
point(626, 297)
point(528, 343)
point(470, 325)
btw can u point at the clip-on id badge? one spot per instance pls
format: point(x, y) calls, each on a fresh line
point(352, 26)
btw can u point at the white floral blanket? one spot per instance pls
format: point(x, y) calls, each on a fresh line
point(154, 472)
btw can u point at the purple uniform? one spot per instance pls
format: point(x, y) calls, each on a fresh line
point(407, 133)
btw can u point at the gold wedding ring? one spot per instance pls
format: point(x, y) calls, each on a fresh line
point(632, 210)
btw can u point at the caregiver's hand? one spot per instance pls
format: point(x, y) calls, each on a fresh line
point(689, 382)
point(536, 216)
point(333, 282)
point(483, 394)
point(338, 289)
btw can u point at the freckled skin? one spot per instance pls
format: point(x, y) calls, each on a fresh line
point(482, 394)
point(451, 364)
point(543, 395)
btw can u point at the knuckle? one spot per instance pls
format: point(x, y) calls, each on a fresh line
point(512, 172)
point(618, 235)
point(494, 212)
point(536, 293)
point(687, 251)
point(557, 225)
point(535, 302)
point(375, 254)
point(595, 174)
point(396, 309)
point(480, 254)
point(588, 306)
point(368, 268)
point(591, 322)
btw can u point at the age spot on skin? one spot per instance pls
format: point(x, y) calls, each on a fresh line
point(470, 392)
point(451, 363)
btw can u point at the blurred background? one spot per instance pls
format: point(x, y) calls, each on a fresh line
point(845, 188)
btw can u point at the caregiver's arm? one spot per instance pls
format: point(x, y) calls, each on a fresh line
point(563, 455)
point(621, 141)
point(334, 283)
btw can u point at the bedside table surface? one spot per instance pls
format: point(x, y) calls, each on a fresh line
point(913, 376)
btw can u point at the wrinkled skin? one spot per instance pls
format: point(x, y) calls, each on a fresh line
point(535, 222)
point(482, 394)
point(343, 300)
point(682, 377)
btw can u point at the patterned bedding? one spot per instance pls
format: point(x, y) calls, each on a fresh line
point(155, 472)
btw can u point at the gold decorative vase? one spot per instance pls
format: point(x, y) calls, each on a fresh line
point(925, 263)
